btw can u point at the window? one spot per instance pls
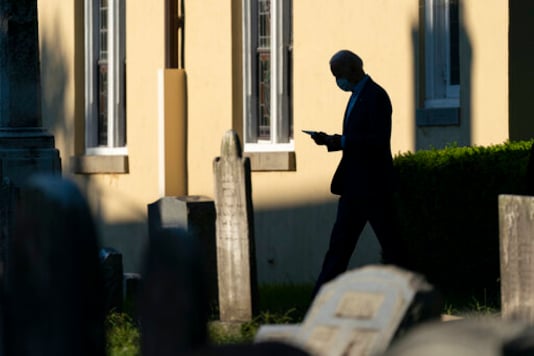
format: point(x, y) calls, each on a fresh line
point(267, 75)
point(105, 121)
point(442, 54)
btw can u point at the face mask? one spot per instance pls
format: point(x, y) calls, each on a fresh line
point(344, 84)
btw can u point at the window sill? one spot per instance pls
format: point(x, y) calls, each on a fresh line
point(271, 161)
point(100, 164)
point(438, 116)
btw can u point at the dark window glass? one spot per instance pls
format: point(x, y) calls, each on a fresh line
point(102, 138)
point(264, 69)
point(454, 43)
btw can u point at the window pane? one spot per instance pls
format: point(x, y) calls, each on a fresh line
point(264, 69)
point(454, 43)
point(102, 125)
point(264, 23)
point(102, 130)
point(264, 95)
point(103, 30)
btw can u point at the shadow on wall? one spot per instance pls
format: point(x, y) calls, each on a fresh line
point(54, 97)
point(63, 111)
point(437, 131)
point(292, 241)
point(521, 72)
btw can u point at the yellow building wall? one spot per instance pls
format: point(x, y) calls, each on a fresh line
point(119, 201)
point(208, 63)
point(484, 91)
point(294, 211)
point(487, 24)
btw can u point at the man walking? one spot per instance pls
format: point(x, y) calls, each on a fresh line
point(364, 178)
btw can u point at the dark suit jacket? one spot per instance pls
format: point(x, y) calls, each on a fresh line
point(366, 166)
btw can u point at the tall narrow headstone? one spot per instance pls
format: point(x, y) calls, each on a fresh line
point(54, 301)
point(516, 227)
point(235, 238)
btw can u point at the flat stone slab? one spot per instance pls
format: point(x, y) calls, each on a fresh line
point(361, 311)
point(279, 332)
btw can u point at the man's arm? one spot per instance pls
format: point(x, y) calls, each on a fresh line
point(332, 142)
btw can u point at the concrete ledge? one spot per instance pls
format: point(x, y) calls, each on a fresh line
point(271, 161)
point(438, 117)
point(100, 164)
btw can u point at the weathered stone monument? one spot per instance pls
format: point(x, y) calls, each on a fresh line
point(235, 232)
point(26, 147)
point(53, 293)
point(361, 312)
point(516, 229)
point(173, 303)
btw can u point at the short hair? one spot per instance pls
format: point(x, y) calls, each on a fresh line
point(346, 57)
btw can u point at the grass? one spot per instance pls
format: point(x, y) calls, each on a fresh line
point(478, 303)
point(278, 304)
point(122, 334)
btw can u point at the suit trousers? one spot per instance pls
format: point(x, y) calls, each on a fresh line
point(352, 215)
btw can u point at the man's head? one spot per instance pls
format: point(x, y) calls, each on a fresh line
point(345, 65)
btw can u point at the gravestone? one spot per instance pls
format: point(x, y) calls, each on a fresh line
point(8, 198)
point(361, 312)
point(112, 274)
point(172, 302)
point(196, 215)
point(25, 146)
point(131, 288)
point(516, 229)
point(54, 301)
point(235, 232)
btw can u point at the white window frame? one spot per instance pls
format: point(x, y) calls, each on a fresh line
point(280, 59)
point(116, 125)
point(439, 92)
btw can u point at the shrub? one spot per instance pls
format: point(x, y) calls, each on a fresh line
point(448, 211)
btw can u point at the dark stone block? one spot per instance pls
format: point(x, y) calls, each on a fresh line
point(196, 215)
point(172, 302)
point(54, 301)
point(112, 272)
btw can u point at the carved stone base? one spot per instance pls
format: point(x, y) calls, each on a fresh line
point(27, 151)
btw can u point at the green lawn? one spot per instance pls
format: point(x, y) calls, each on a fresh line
point(278, 304)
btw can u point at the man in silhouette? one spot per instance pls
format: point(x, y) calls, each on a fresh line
point(364, 178)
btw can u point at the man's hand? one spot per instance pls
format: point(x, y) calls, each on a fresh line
point(320, 138)
point(333, 142)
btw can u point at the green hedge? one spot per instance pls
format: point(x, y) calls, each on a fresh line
point(448, 211)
